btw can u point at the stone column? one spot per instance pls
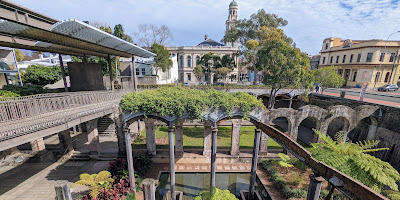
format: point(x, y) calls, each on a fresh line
point(38, 145)
point(179, 138)
point(264, 144)
point(253, 176)
point(235, 137)
point(129, 156)
point(213, 155)
point(315, 138)
point(66, 141)
point(371, 132)
point(62, 191)
point(150, 136)
point(93, 137)
point(119, 125)
point(149, 189)
point(314, 189)
point(207, 139)
point(171, 161)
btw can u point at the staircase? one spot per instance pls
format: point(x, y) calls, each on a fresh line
point(106, 126)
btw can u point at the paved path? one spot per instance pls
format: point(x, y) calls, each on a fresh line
point(383, 98)
point(370, 100)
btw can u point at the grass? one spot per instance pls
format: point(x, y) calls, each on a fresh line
point(193, 138)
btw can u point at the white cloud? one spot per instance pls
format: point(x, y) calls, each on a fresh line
point(310, 21)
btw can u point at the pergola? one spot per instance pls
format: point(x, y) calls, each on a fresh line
point(26, 29)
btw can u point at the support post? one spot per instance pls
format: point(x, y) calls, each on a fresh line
point(66, 141)
point(149, 189)
point(130, 160)
point(179, 138)
point(235, 137)
point(207, 139)
point(171, 160)
point(63, 73)
point(263, 144)
point(38, 145)
point(150, 136)
point(93, 137)
point(133, 73)
point(62, 190)
point(314, 189)
point(119, 125)
point(213, 155)
point(256, 147)
point(110, 69)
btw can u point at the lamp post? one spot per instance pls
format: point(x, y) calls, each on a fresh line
point(384, 53)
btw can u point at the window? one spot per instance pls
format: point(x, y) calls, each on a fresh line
point(387, 77)
point(382, 57)
point(197, 60)
point(344, 59)
point(137, 71)
point(359, 57)
point(377, 76)
point(351, 58)
point(392, 55)
point(369, 57)
point(143, 71)
point(326, 46)
point(354, 76)
point(189, 76)
point(189, 61)
point(337, 59)
point(331, 59)
point(181, 61)
point(323, 60)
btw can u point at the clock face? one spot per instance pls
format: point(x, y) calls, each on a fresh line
point(347, 43)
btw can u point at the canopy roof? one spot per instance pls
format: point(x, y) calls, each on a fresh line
point(71, 37)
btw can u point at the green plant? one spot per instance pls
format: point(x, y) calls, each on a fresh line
point(353, 159)
point(27, 90)
point(131, 196)
point(142, 164)
point(176, 101)
point(41, 75)
point(95, 181)
point(392, 194)
point(295, 178)
point(6, 94)
point(285, 161)
point(215, 194)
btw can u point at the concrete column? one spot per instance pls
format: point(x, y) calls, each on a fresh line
point(235, 137)
point(213, 155)
point(172, 161)
point(150, 136)
point(149, 189)
point(62, 190)
point(314, 189)
point(38, 145)
point(371, 132)
point(119, 125)
point(263, 144)
point(207, 139)
point(179, 138)
point(129, 156)
point(253, 176)
point(66, 141)
point(63, 73)
point(93, 137)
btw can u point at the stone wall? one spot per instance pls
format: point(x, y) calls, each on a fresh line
point(382, 125)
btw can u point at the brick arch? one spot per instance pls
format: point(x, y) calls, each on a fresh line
point(288, 113)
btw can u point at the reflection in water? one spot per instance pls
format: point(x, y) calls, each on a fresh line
point(193, 183)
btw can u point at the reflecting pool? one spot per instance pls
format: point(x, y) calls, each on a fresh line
point(191, 184)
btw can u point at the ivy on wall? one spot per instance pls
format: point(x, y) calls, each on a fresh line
point(176, 101)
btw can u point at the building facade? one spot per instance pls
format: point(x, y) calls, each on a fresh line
point(314, 61)
point(361, 61)
point(187, 57)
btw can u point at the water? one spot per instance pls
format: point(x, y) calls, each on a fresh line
point(193, 183)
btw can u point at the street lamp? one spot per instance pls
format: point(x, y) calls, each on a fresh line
point(384, 53)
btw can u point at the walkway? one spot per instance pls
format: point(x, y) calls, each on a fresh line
point(370, 100)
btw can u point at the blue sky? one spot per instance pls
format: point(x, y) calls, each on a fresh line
point(310, 21)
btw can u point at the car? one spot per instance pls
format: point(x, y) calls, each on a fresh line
point(389, 87)
point(219, 83)
point(186, 84)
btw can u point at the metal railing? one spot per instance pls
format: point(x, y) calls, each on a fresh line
point(23, 115)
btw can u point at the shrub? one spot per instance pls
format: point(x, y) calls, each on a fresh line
point(216, 194)
point(142, 165)
point(95, 181)
point(27, 90)
point(41, 75)
point(295, 178)
point(6, 94)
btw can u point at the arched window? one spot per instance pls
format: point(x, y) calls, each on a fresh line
point(181, 61)
point(387, 77)
point(197, 60)
point(189, 61)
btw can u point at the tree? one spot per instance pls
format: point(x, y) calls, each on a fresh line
point(328, 77)
point(41, 75)
point(120, 32)
point(250, 57)
point(210, 62)
point(19, 55)
point(354, 160)
point(222, 72)
point(162, 60)
point(149, 34)
point(228, 61)
point(283, 65)
point(198, 72)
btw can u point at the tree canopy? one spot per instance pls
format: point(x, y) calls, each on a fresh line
point(162, 59)
point(210, 62)
point(198, 72)
point(19, 55)
point(41, 75)
point(149, 34)
point(328, 77)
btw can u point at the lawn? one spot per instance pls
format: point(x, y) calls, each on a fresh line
point(193, 138)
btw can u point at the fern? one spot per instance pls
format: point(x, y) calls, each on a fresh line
point(95, 181)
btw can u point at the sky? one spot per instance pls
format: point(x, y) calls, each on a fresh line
point(310, 21)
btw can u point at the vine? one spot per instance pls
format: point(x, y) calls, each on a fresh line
point(176, 101)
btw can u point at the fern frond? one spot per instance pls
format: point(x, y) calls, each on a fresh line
point(367, 144)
